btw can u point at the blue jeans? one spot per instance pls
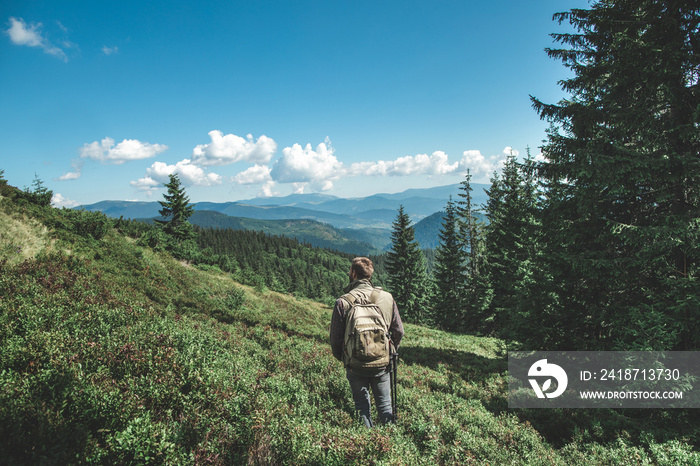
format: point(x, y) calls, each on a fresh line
point(360, 384)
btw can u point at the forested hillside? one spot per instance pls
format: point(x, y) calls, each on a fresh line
point(283, 264)
point(364, 241)
point(112, 352)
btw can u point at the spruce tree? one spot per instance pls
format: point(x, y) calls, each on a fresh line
point(501, 255)
point(623, 178)
point(468, 226)
point(176, 210)
point(511, 248)
point(405, 264)
point(450, 273)
point(470, 231)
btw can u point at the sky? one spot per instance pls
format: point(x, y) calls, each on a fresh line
point(103, 100)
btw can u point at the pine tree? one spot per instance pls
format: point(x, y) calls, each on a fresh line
point(405, 264)
point(176, 210)
point(502, 240)
point(450, 273)
point(470, 231)
point(511, 250)
point(468, 226)
point(623, 178)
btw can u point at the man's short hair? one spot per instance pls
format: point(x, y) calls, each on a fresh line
point(362, 267)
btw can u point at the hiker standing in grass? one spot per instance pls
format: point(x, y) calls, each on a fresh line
point(365, 330)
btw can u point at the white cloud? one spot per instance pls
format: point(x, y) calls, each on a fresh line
point(317, 186)
point(253, 175)
point(267, 189)
point(229, 148)
point(304, 164)
point(421, 164)
point(146, 183)
point(480, 166)
point(75, 174)
point(317, 169)
point(59, 201)
point(110, 50)
point(69, 176)
point(30, 35)
point(129, 149)
point(22, 34)
point(474, 161)
point(106, 152)
point(190, 175)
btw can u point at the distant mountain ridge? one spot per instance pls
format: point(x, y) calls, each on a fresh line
point(427, 230)
point(337, 211)
point(359, 225)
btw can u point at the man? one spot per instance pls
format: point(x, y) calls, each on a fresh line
point(361, 379)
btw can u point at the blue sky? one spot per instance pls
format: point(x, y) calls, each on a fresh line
point(102, 100)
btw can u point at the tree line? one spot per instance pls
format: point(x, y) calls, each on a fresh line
point(595, 247)
point(280, 263)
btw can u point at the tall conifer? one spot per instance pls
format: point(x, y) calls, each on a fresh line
point(468, 226)
point(511, 247)
point(450, 273)
point(623, 178)
point(176, 210)
point(470, 231)
point(406, 267)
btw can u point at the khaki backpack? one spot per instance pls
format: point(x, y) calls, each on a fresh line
point(366, 343)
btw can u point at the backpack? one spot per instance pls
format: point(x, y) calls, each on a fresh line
point(366, 343)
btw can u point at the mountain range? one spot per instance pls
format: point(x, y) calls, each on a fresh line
point(359, 225)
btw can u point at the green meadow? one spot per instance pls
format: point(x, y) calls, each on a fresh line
point(113, 353)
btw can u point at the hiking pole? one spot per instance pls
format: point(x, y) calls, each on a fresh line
point(394, 363)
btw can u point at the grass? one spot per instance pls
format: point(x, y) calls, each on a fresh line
point(21, 238)
point(111, 353)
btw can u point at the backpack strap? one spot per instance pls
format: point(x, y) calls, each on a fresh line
point(350, 298)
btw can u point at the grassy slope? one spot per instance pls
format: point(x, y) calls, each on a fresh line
point(111, 353)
